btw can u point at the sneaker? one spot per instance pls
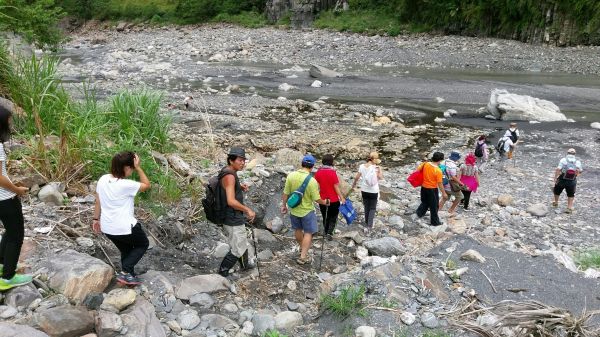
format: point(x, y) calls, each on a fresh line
point(128, 279)
point(329, 237)
point(2, 268)
point(17, 280)
point(569, 211)
point(554, 204)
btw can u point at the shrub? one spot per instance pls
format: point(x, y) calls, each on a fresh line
point(588, 259)
point(347, 302)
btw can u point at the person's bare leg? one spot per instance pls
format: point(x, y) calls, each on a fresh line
point(442, 202)
point(454, 205)
point(299, 235)
point(306, 242)
point(556, 199)
point(570, 202)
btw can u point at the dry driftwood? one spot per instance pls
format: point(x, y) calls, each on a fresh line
point(530, 318)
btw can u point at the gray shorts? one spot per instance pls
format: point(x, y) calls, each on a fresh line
point(307, 223)
point(237, 239)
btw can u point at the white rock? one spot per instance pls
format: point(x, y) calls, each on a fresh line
point(439, 99)
point(450, 113)
point(188, 319)
point(407, 318)
point(285, 87)
point(316, 84)
point(51, 194)
point(472, 255)
point(218, 57)
point(595, 125)
point(439, 120)
point(507, 106)
point(365, 331)
point(288, 320)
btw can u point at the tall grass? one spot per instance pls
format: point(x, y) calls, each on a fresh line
point(347, 302)
point(588, 259)
point(73, 141)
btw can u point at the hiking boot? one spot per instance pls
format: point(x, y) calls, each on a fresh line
point(228, 262)
point(245, 262)
point(15, 281)
point(128, 279)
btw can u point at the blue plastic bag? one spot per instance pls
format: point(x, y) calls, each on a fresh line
point(348, 212)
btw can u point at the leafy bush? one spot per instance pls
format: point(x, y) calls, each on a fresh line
point(36, 20)
point(194, 11)
point(273, 333)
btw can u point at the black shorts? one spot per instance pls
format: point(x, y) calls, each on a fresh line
point(562, 184)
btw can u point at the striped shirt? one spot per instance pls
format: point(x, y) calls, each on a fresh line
point(4, 193)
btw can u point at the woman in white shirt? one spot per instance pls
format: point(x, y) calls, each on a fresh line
point(369, 187)
point(114, 214)
point(11, 215)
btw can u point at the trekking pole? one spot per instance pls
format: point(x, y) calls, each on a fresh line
point(324, 234)
point(255, 251)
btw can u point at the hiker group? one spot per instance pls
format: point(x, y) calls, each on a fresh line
point(224, 202)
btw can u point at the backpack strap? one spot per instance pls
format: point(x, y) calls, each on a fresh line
point(302, 187)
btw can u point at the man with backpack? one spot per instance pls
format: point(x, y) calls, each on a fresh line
point(234, 212)
point(481, 153)
point(505, 147)
point(300, 192)
point(565, 177)
point(513, 134)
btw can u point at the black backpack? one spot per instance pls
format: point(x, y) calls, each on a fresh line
point(513, 136)
point(215, 200)
point(500, 145)
point(479, 150)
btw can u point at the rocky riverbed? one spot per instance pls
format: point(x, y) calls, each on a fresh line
point(414, 277)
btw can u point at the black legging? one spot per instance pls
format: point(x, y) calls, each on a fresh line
point(11, 215)
point(330, 219)
point(467, 197)
point(370, 203)
point(430, 199)
point(132, 247)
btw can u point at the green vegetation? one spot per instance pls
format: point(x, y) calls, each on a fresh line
point(273, 333)
point(346, 303)
point(520, 19)
point(588, 259)
point(36, 20)
point(73, 141)
point(436, 333)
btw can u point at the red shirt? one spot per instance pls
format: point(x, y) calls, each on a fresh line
point(327, 178)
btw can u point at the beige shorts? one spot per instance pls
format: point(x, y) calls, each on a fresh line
point(458, 195)
point(237, 239)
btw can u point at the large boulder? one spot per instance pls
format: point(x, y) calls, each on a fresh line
point(65, 321)
point(386, 246)
point(17, 330)
point(288, 157)
point(506, 106)
point(318, 71)
point(120, 298)
point(141, 320)
point(76, 275)
point(210, 283)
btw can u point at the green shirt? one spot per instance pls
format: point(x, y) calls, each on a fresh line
point(311, 194)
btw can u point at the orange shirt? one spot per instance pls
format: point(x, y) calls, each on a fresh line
point(432, 175)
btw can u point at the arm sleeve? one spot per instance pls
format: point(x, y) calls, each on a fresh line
point(2, 153)
point(438, 176)
point(579, 167)
point(132, 187)
point(287, 188)
point(561, 163)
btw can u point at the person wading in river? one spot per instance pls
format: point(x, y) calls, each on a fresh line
point(236, 213)
point(303, 217)
point(329, 186)
point(565, 178)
